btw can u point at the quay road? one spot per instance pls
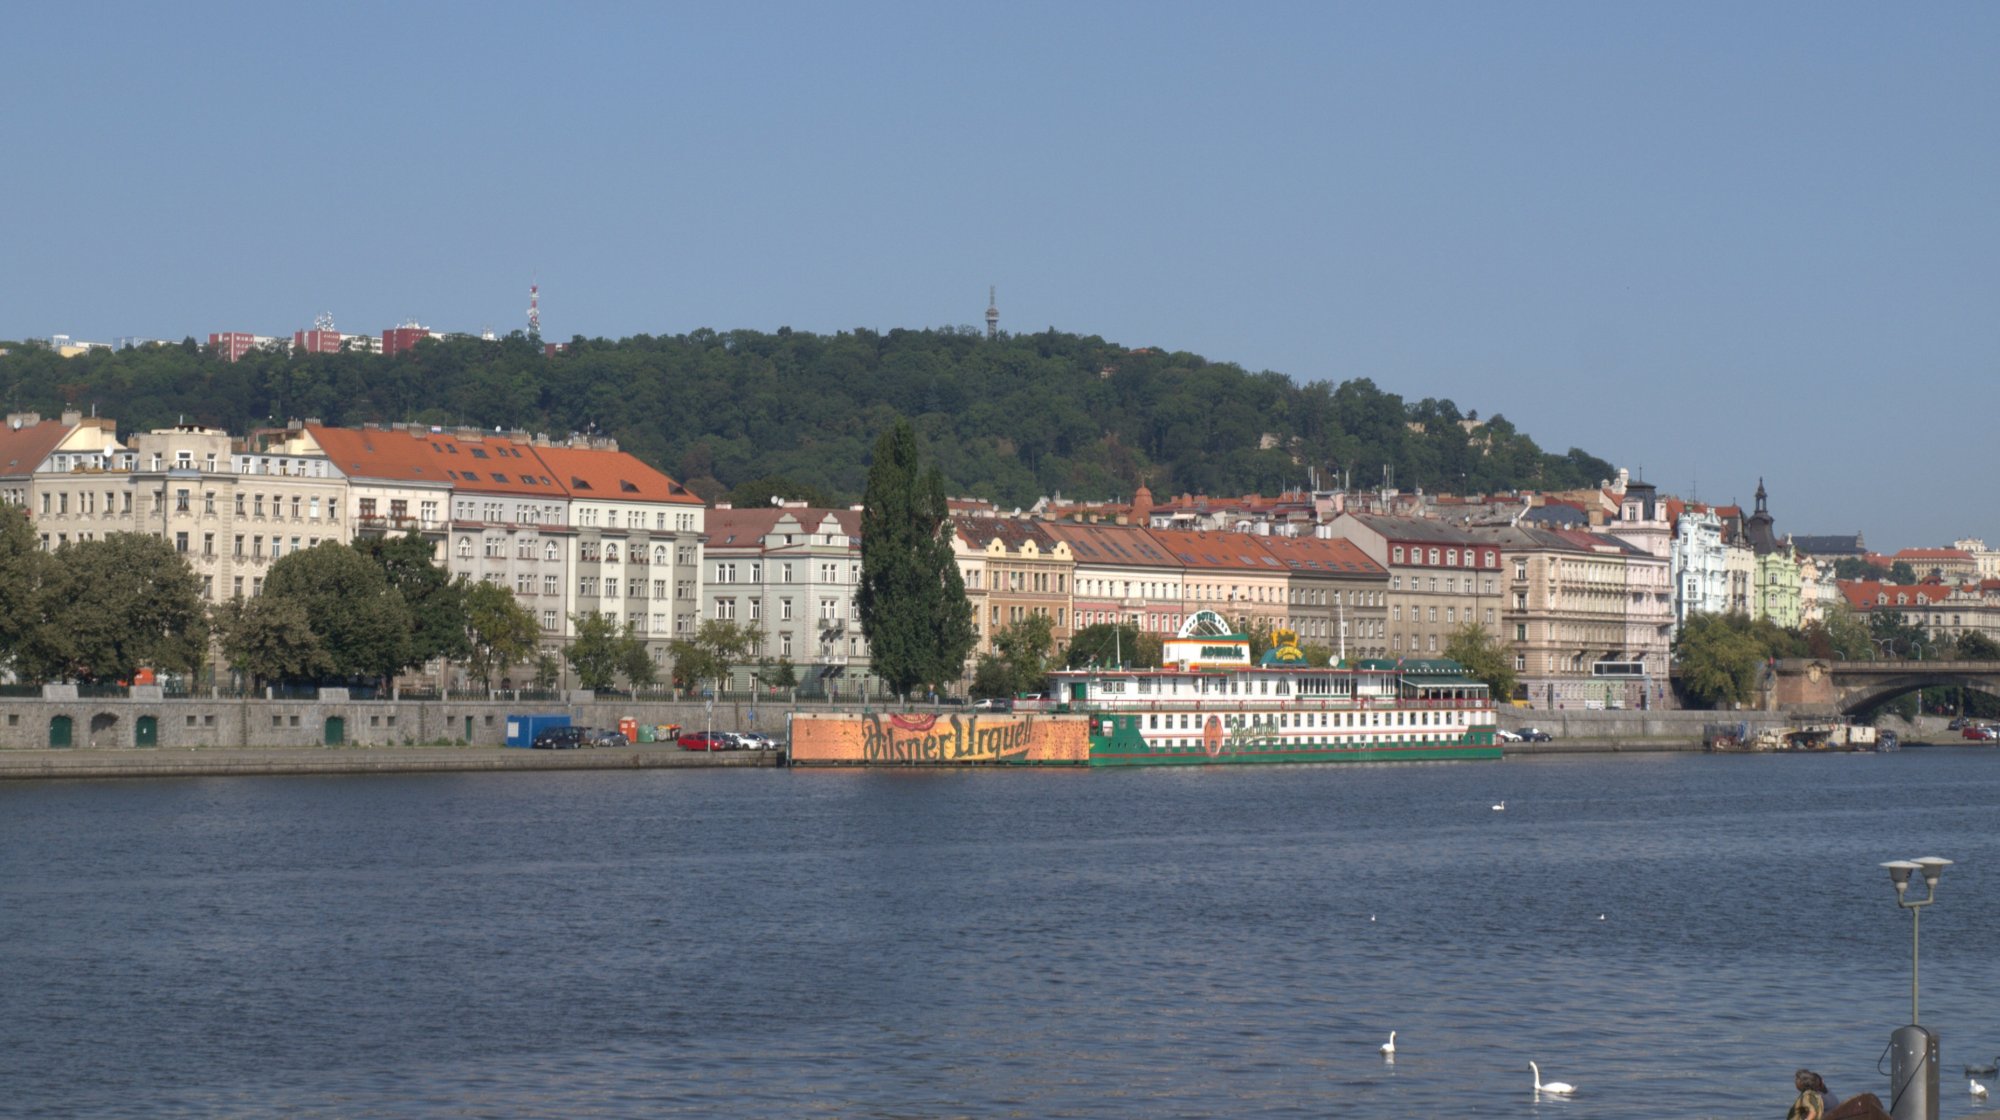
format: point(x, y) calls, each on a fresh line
point(163, 762)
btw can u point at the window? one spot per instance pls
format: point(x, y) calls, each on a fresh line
point(1520, 631)
point(367, 506)
point(784, 569)
point(548, 585)
point(725, 608)
point(208, 544)
point(180, 501)
point(180, 542)
point(548, 620)
point(784, 610)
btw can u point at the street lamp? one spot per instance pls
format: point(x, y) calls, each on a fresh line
point(1913, 1092)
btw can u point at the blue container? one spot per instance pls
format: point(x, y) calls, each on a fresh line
point(521, 730)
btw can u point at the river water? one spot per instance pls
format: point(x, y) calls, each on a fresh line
point(1672, 933)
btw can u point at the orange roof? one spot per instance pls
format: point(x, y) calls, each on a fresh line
point(494, 466)
point(1098, 543)
point(611, 476)
point(1867, 594)
point(1934, 554)
point(413, 455)
point(1321, 556)
point(1239, 552)
point(24, 448)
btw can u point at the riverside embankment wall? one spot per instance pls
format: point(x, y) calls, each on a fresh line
point(157, 722)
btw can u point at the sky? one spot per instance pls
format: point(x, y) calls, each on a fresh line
point(1711, 243)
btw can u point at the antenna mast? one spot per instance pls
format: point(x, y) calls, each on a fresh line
point(535, 310)
point(992, 312)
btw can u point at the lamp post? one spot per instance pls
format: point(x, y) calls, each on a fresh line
point(1913, 1077)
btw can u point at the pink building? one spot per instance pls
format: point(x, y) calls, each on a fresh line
point(232, 345)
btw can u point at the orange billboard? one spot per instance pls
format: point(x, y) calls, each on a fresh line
point(932, 739)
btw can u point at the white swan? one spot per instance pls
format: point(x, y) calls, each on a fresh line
point(1389, 1047)
point(1978, 1090)
point(1500, 808)
point(1561, 1088)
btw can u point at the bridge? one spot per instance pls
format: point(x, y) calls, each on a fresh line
point(1811, 683)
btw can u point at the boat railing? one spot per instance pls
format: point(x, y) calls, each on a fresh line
point(1244, 704)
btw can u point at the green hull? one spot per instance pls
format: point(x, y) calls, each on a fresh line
point(1124, 746)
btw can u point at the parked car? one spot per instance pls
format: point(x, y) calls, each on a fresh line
point(1958, 723)
point(994, 704)
point(755, 741)
point(1980, 731)
point(605, 737)
point(568, 737)
point(1506, 736)
point(1535, 735)
point(706, 741)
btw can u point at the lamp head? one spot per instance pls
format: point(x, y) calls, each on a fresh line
point(1933, 868)
point(1899, 874)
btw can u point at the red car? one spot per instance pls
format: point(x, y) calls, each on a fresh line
point(1977, 731)
point(706, 741)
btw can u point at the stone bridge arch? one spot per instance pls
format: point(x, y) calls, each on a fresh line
point(1852, 687)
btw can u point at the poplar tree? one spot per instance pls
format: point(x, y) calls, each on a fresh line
point(912, 601)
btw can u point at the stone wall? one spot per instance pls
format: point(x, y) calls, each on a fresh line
point(1657, 724)
point(107, 723)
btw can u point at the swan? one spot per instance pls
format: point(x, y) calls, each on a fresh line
point(1500, 808)
point(1389, 1047)
point(1561, 1088)
point(1978, 1090)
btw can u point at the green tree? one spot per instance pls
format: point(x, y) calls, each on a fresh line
point(912, 601)
point(498, 631)
point(361, 622)
point(759, 492)
point(110, 606)
point(717, 646)
point(269, 640)
point(436, 601)
point(1110, 644)
point(1484, 658)
point(1022, 653)
point(1716, 659)
point(777, 674)
point(548, 670)
point(1975, 646)
point(24, 571)
point(599, 650)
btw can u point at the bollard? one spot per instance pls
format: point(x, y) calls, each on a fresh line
point(1913, 1074)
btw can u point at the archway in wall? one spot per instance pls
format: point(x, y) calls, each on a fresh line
point(104, 730)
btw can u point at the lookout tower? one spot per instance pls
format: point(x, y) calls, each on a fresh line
point(992, 312)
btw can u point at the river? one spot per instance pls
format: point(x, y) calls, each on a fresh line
point(1672, 933)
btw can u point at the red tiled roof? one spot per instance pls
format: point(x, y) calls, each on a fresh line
point(22, 449)
point(1864, 594)
point(747, 527)
point(1934, 554)
point(616, 476)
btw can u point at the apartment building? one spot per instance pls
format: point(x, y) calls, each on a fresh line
point(1441, 577)
point(1122, 576)
point(1021, 569)
point(1231, 574)
point(1337, 597)
point(792, 571)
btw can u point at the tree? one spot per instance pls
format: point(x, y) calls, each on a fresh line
point(439, 627)
point(777, 674)
point(1975, 646)
point(717, 646)
point(1484, 658)
point(110, 606)
point(601, 650)
point(1717, 659)
point(498, 631)
point(760, 492)
point(912, 601)
point(1111, 643)
point(360, 621)
point(1020, 659)
point(269, 639)
point(548, 670)
point(23, 571)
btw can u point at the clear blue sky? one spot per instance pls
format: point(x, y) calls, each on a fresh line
point(1713, 242)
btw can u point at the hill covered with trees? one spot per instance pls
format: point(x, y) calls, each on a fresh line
point(1010, 419)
